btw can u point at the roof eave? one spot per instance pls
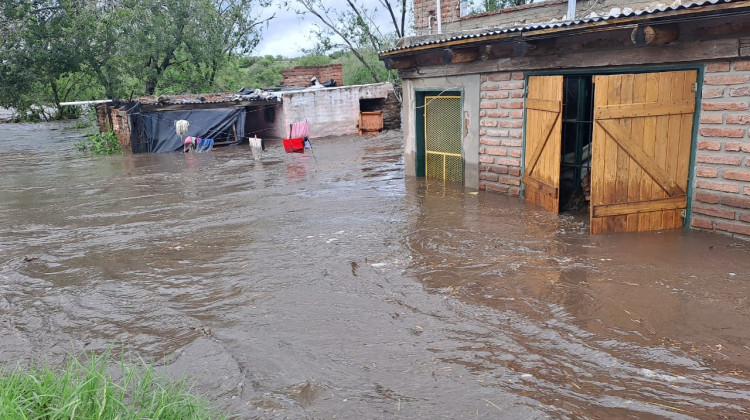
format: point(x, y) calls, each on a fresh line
point(573, 27)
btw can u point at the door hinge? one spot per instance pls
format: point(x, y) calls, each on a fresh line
point(695, 87)
point(683, 213)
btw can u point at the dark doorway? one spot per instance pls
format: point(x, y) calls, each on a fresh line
point(577, 128)
point(371, 105)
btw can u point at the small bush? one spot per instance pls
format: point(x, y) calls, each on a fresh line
point(100, 144)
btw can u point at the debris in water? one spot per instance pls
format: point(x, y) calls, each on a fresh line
point(493, 404)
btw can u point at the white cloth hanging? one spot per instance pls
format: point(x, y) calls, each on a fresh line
point(181, 127)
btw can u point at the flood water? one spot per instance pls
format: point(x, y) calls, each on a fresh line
point(333, 287)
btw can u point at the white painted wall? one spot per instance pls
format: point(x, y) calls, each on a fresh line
point(330, 111)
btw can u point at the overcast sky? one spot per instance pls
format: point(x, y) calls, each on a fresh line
point(288, 33)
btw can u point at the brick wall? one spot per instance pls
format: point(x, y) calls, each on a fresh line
point(538, 11)
point(300, 76)
point(121, 128)
point(501, 132)
point(721, 191)
point(102, 118)
point(110, 118)
point(424, 8)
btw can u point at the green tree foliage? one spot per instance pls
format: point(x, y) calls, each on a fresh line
point(39, 53)
point(59, 50)
point(253, 72)
point(315, 59)
point(353, 28)
point(482, 6)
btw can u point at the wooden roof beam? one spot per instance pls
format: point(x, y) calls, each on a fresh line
point(463, 55)
point(654, 35)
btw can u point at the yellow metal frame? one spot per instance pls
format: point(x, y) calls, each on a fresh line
point(446, 143)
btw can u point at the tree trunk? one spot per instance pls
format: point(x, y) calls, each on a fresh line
point(151, 85)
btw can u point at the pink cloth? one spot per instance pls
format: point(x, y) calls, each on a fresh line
point(188, 143)
point(300, 129)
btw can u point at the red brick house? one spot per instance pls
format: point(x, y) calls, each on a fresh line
point(643, 107)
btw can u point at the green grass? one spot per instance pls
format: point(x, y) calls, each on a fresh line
point(85, 389)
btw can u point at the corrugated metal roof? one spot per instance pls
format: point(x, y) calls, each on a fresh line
point(196, 99)
point(615, 13)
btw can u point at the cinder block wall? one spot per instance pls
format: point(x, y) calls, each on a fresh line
point(501, 132)
point(721, 190)
point(301, 76)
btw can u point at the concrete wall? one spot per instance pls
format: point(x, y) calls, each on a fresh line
point(470, 87)
point(330, 111)
point(721, 185)
point(301, 76)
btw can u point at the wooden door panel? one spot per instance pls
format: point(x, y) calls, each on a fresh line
point(641, 150)
point(543, 140)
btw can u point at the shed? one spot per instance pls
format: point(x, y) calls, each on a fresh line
point(645, 105)
point(146, 125)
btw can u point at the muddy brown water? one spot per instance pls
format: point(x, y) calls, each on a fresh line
point(333, 287)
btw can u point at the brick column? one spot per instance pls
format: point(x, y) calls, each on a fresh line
point(501, 132)
point(721, 194)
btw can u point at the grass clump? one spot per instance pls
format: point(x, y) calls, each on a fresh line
point(87, 390)
point(100, 144)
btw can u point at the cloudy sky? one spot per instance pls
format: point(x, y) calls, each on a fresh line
point(288, 33)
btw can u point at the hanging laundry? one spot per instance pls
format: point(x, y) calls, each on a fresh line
point(181, 127)
point(189, 144)
point(256, 146)
point(299, 129)
point(205, 145)
point(294, 145)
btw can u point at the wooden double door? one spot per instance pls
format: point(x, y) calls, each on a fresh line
point(641, 143)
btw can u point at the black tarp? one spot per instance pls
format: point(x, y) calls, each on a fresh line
point(214, 124)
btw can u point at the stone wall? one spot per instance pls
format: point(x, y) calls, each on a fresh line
point(501, 132)
point(301, 76)
point(721, 188)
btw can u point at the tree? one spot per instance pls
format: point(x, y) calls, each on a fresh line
point(39, 56)
point(55, 50)
point(197, 35)
point(354, 28)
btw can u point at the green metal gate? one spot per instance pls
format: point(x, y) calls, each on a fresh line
point(442, 135)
